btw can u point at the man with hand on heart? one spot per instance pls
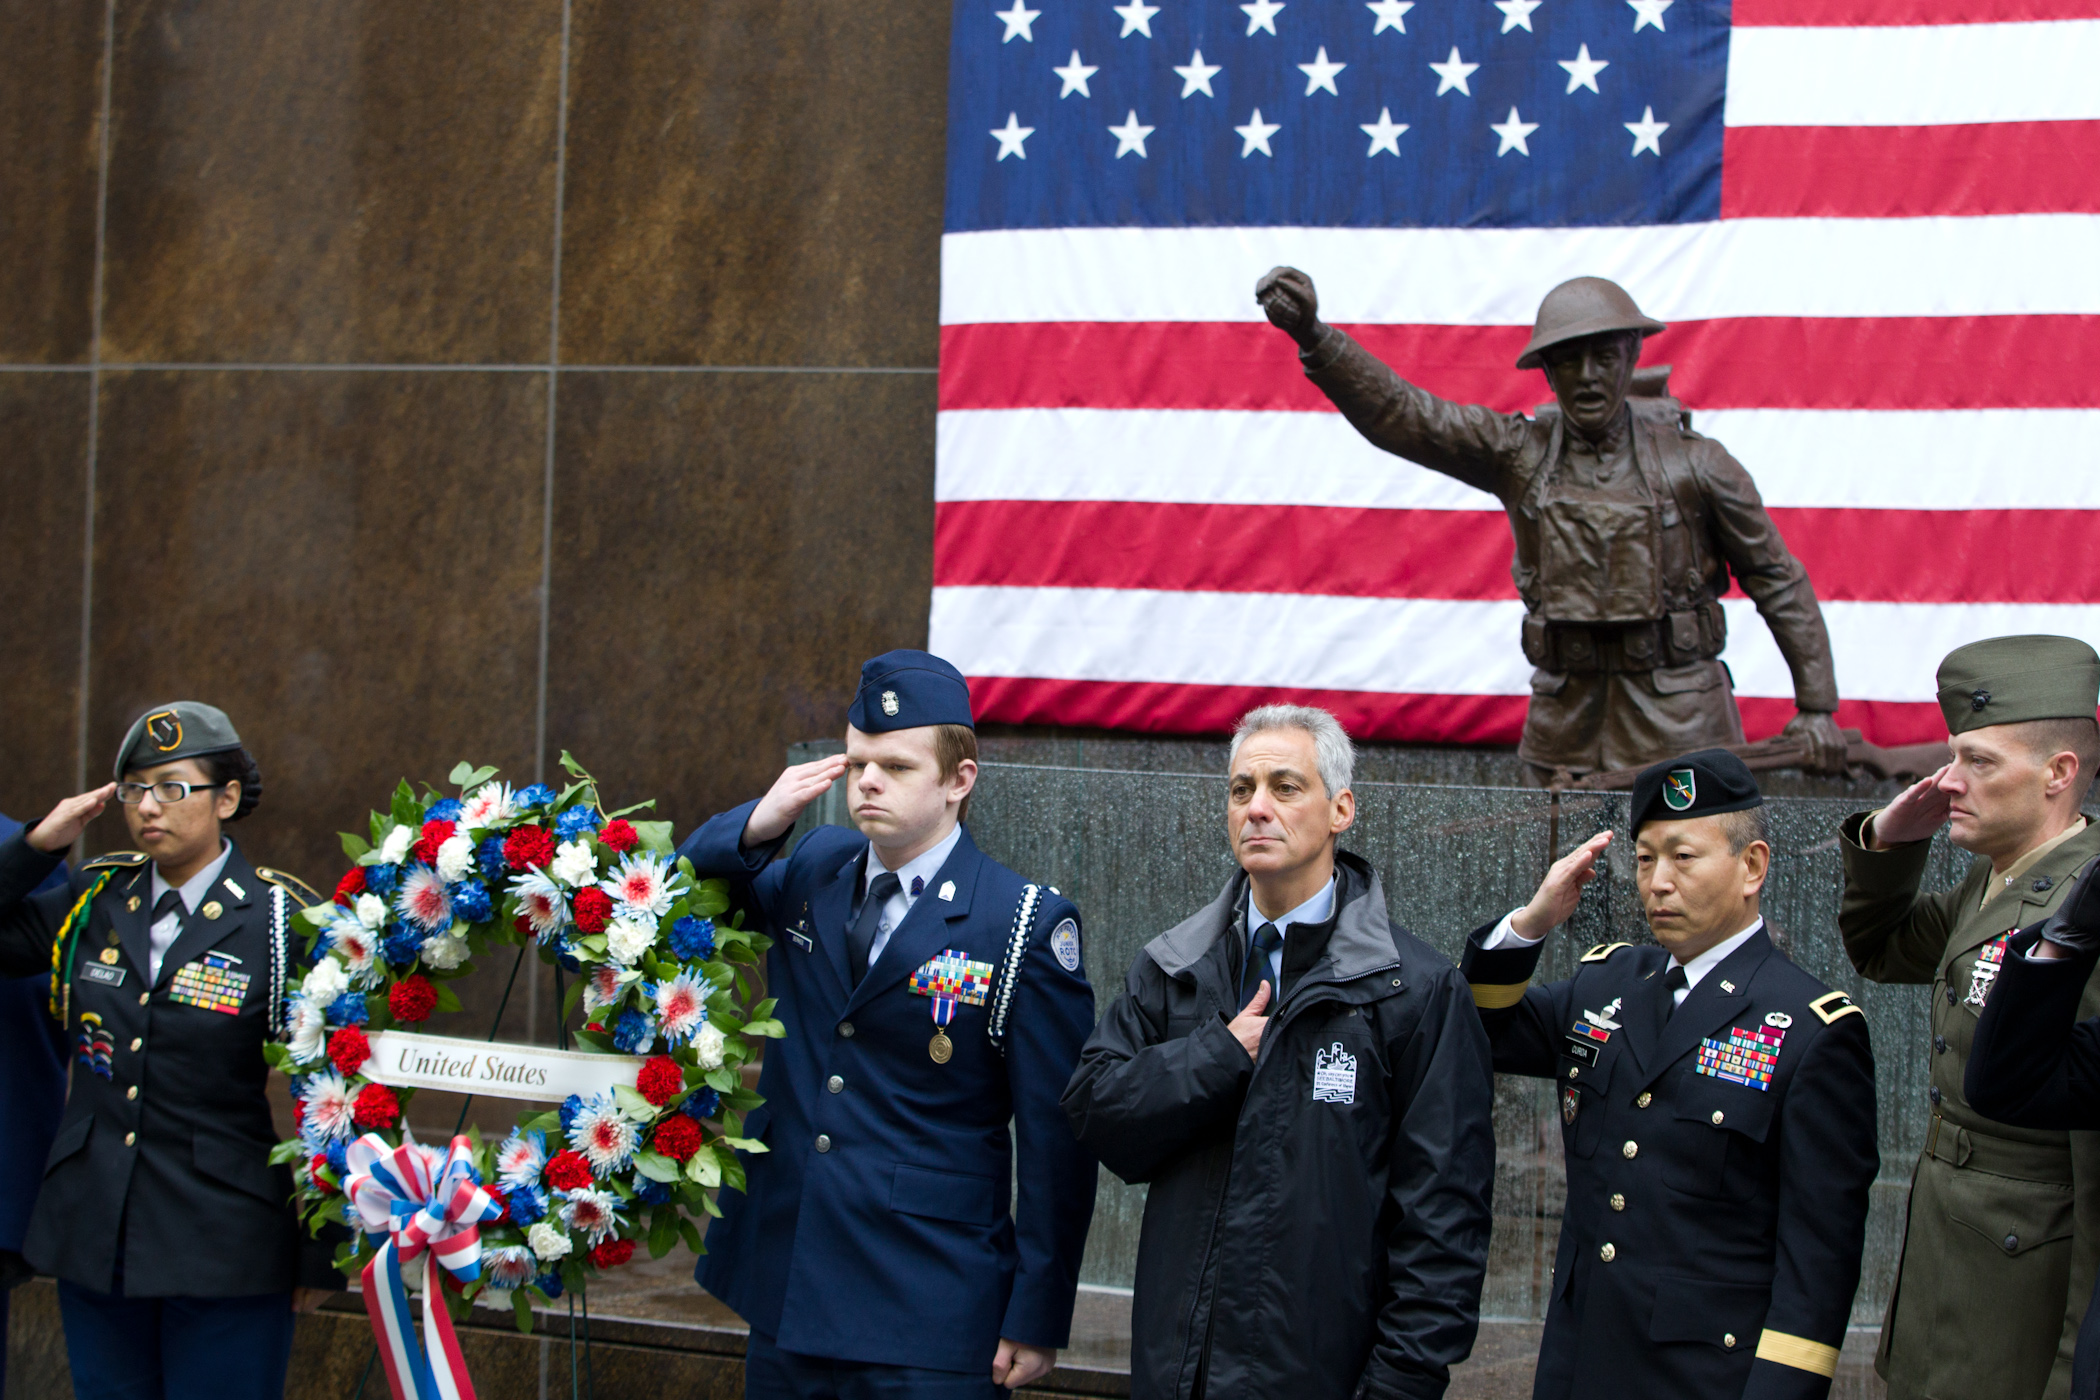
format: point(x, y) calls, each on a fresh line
point(931, 997)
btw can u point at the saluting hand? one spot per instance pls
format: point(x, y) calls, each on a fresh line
point(792, 791)
point(1918, 811)
point(68, 819)
point(1555, 901)
point(1253, 1019)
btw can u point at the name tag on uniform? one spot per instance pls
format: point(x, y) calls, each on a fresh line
point(801, 940)
point(102, 974)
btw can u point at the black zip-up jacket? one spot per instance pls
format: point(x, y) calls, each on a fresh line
point(1317, 1223)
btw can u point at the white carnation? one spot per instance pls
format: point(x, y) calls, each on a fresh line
point(394, 849)
point(371, 910)
point(707, 1045)
point(307, 1022)
point(455, 858)
point(573, 864)
point(326, 981)
point(626, 941)
point(445, 951)
point(547, 1242)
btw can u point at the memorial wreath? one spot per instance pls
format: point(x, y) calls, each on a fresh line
point(671, 1014)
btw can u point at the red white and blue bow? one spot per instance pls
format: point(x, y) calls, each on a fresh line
point(423, 1201)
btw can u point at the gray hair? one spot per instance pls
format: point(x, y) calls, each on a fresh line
point(1334, 754)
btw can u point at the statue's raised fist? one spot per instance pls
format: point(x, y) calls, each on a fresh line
point(1287, 295)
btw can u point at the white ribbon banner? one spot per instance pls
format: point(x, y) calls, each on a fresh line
point(410, 1061)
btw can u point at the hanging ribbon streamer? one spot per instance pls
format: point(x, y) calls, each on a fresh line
point(424, 1202)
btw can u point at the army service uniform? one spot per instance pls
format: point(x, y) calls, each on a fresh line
point(1622, 554)
point(1997, 1212)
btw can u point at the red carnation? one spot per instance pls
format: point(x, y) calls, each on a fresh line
point(567, 1171)
point(502, 1200)
point(619, 836)
point(523, 925)
point(610, 1254)
point(435, 834)
point(677, 1137)
point(321, 1183)
point(349, 1049)
point(375, 1107)
point(661, 1080)
point(527, 848)
point(412, 998)
point(592, 909)
point(350, 886)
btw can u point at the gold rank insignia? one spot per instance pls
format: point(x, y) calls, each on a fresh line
point(109, 956)
point(212, 909)
point(132, 904)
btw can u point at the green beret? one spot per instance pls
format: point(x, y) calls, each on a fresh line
point(2005, 680)
point(166, 733)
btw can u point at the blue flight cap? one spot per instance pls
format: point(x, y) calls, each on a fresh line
point(907, 690)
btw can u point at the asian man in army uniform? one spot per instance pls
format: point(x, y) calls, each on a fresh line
point(931, 998)
point(1999, 1212)
point(1717, 1111)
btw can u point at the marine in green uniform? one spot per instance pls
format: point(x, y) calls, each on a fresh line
point(2004, 1222)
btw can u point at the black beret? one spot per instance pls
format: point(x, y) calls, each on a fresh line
point(908, 690)
point(1702, 784)
point(184, 729)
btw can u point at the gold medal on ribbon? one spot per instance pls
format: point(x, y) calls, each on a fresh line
point(940, 1047)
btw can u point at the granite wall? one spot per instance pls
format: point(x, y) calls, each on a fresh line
point(484, 379)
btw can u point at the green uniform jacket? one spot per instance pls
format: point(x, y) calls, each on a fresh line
point(2004, 1222)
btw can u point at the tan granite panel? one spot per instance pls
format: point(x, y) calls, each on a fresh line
point(754, 183)
point(727, 550)
point(348, 564)
point(50, 105)
point(340, 181)
point(43, 481)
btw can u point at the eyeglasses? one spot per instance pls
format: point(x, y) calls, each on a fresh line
point(165, 793)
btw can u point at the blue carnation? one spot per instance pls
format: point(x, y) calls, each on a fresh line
point(538, 795)
point(526, 1204)
point(470, 901)
point(347, 1010)
point(633, 1032)
point(549, 1284)
point(574, 822)
point(338, 1155)
point(702, 1104)
point(381, 879)
point(445, 809)
point(651, 1193)
point(565, 952)
point(570, 1107)
point(401, 945)
point(489, 856)
point(693, 939)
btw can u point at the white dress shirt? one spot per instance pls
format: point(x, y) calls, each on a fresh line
point(1317, 910)
point(1506, 936)
point(168, 927)
point(918, 871)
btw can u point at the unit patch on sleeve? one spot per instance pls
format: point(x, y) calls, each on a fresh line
point(212, 983)
point(1064, 941)
point(1746, 1057)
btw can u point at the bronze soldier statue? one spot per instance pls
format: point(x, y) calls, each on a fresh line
point(1627, 527)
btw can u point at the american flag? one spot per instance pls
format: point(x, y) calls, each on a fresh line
point(1870, 224)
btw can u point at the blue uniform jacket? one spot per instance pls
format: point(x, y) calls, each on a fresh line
point(878, 1227)
point(32, 1083)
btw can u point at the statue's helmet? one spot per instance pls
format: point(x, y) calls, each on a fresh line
point(1579, 307)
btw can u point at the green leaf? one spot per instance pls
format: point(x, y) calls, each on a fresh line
point(765, 1008)
point(733, 1174)
point(541, 1122)
point(285, 1152)
point(705, 1168)
point(656, 836)
point(572, 767)
point(521, 1309)
point(770, 1029)
point(570, 997)
point(354, 846)
point(746, 1144)
point(465, 775)
point(275, 1055)
point(405, 810)
point(633, 1104)
point(742, 1100)
point(711, 898)
point(597, 1040)
point(721, 1080)
point(637, 807)
point(447, 999)
point(691, 1234)
point(656, 1166)
point(708, 1203)
point(663, 1231)
point(378, 1014)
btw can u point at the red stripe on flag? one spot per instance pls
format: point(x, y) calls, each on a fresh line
point(1883, 172)
point(1916, 362)
point(1846, 13)
point(1900, 556)
point(1160, 708)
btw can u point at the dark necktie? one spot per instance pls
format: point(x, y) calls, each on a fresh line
point(1266, 941)
point(1673, 980)
point(861, 936)
point(169, 903)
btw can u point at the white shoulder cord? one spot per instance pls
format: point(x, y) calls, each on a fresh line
point(1016, 948)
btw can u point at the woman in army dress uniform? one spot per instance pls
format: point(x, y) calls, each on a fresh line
point(178, 1259)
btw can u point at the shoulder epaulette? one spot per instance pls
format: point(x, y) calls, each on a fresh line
point(1603, 951)
point(116, 860)
point(1832, 1005)
point(291, 884)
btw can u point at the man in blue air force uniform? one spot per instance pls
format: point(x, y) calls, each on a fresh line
point(930, 998)
point(1717, 1110)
